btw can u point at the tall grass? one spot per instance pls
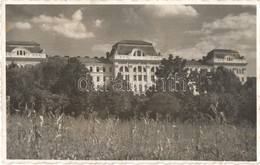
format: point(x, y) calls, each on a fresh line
point(65, 137)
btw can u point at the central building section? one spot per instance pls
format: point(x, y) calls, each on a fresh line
point(137, 61)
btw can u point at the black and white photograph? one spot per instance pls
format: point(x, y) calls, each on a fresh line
point(129, 82)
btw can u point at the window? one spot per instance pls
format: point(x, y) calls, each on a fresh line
point(135, 78)
point(140, 88)
point(126, 69)
point(98, 79)
point(152, 70)
point(144, 69)
point(139, 69)
point(21, 52)
point(127, 77)
point(104, 69)
point(139, 77)
point(139, 53)
point(104, 78)
point(91, 69)
point(134, 69)
point(97, 69)
point(110, 69)
point(145, 77)
point(153, 78)
point(135, 88)
point(121, 69)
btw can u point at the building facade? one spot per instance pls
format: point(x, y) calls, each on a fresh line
point(24, 53)
point(230, 59)
point(137, 61)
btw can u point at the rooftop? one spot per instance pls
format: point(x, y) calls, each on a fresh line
point(221, 53)
point(94, 60)
point(134, 42)
point(126, 46)
point(22, 43)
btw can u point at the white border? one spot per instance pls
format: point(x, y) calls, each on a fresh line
point(107, 2)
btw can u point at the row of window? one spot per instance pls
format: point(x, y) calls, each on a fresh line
point(126, 77)
point(229, 59)
point(99, 68)
point(238, 71)
point(137, 69)
point(21, 52)
point(139, 53)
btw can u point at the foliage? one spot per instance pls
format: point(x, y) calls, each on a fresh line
point(64, 138)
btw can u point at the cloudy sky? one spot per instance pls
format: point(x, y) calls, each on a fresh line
point(91, 30)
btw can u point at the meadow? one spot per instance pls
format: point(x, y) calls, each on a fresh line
point(64, 137)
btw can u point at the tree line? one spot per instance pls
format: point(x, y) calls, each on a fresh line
point(50, 87)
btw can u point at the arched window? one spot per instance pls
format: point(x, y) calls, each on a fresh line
point(152, 70)
point(126, 69)
point(139, 69)
point(134, 69)
point(139, 53)
point(121, 69)
point(91, 69)
point(97, 69)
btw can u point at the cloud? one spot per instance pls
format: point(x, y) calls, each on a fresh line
point(98, 23)
point(70, 28)
point(171, 10)
point(237, 32)
point(101, 48)
point(22, 25)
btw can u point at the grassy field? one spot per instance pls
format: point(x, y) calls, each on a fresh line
point(111, 139)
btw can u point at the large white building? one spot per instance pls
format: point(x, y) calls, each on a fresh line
point(137, 61)
point(24, 53)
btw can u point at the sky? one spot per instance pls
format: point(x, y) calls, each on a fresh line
point(188, 31)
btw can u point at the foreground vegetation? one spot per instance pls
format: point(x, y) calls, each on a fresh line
point(49, 117)
point(65, 137)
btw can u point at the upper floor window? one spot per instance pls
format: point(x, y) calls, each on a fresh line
point(134, 69)
point(126, 69)
point(139, 53)
point(121, 69)
point(20, 52)
point(97, 69)
point(104, 69)
point(91, 69)
point(229, 59)
point(139, 69)
point(152, 70)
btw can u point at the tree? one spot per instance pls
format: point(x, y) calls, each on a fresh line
point(164, 106)
point(116, 101)
point(248, 108)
